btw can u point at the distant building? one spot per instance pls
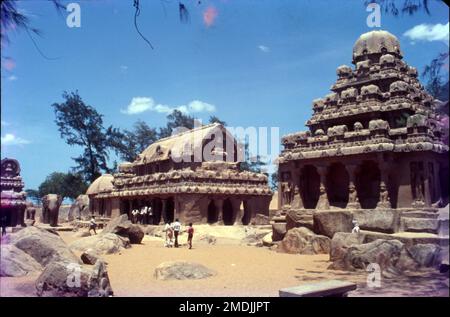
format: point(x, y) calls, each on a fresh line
point(374, 142)
point(193, 176)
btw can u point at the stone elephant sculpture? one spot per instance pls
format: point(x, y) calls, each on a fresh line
point(50, 209)
point(30, 211)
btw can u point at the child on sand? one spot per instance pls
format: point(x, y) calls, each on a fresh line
point(190, 232)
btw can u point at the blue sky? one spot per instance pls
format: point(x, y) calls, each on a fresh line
point(251, 63)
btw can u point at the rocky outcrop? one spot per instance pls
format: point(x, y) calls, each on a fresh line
point(107, 243)
point(43, 246)
point(62, 280)
point(377, 220)
point(90, 257)
point(341, 242)
point(329, 222)
point(267, 240)
point(15, 262)
point(278, 231)
point(386, 253)
point(182, 270)
point(118, 225)
point(304, 241)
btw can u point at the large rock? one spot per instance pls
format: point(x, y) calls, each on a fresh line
point(90, 257)
point(43, 246)
point(267, 240)
point(182, 270)
point(299, 218)
point(101, 243)
point(304, 241)
point(64, 211)
point(420, 225)
point(15, 262)
point(135, 234)
point(385, 253)
point(341, 242)
point(79, 209)
point(278, 231)
point(118, 225)
point(62, 280)
point(377, 220)
point(329, 222)
point(424, 254)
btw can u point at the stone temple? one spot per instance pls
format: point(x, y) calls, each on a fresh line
point(13, 197)
point(194, 190)
point(374, 146)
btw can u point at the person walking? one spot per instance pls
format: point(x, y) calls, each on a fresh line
point(150, 215)
point(92, 225)
point(176, 231)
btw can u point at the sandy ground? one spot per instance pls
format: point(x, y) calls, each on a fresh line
point(241, 271)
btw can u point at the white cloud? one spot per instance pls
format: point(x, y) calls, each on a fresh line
point(11, 139)
point(429, 32)
point(12, 78)
point(142, 104)
point(139, 105)
point(123, 68)
point(264, 48)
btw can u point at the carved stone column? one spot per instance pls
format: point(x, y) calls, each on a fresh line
point(384, 201)
point(296, 191)
point(353, 200)
point(323, 203)
point(427, 185)
point(219, 207)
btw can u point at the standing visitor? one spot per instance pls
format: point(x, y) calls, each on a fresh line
point(190, 232)
point(169, 235)
point(92, 225)
point(150, 215)
point(176, 231)
point(144, 215)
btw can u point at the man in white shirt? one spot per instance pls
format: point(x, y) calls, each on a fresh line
point(144, 215)
point(176, 230)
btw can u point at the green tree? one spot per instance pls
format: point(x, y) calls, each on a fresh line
point(215, 119)
point(175, 120)
point(80, 124)
point(251, 163)
point(133, 142)
point(34, 196)
point(274, 181)
point(68, 185)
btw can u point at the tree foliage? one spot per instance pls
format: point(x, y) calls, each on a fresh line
point(81, 125)
point(34, 196)
point(395, 7)
point(436, 81)
point(133, 142)
point(68, 185)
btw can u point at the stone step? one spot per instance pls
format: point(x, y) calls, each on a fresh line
point(409, 224)
point(419, 214)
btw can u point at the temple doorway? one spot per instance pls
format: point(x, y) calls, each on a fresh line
point(337, 185)
point(169, 215)
point(227, 212)
point(247, 213)
point(310, 186)
point(212, 213)
point(368, 185)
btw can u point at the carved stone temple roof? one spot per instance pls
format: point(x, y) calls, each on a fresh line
point(207, 177)
point(379, 105)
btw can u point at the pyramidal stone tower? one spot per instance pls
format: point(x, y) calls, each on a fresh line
point(374, 143)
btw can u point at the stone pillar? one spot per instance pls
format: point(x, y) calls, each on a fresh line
point(130, 208)
point(353, 200)
point(426, 184)
point(297, 191)
point(437, 184)
point(323, 203)
point(219, 207)
point(237, 213)
point(384, 201)
point(163, 211)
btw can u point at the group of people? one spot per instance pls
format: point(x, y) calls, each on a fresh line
point(173, 230)
point(143, 216)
